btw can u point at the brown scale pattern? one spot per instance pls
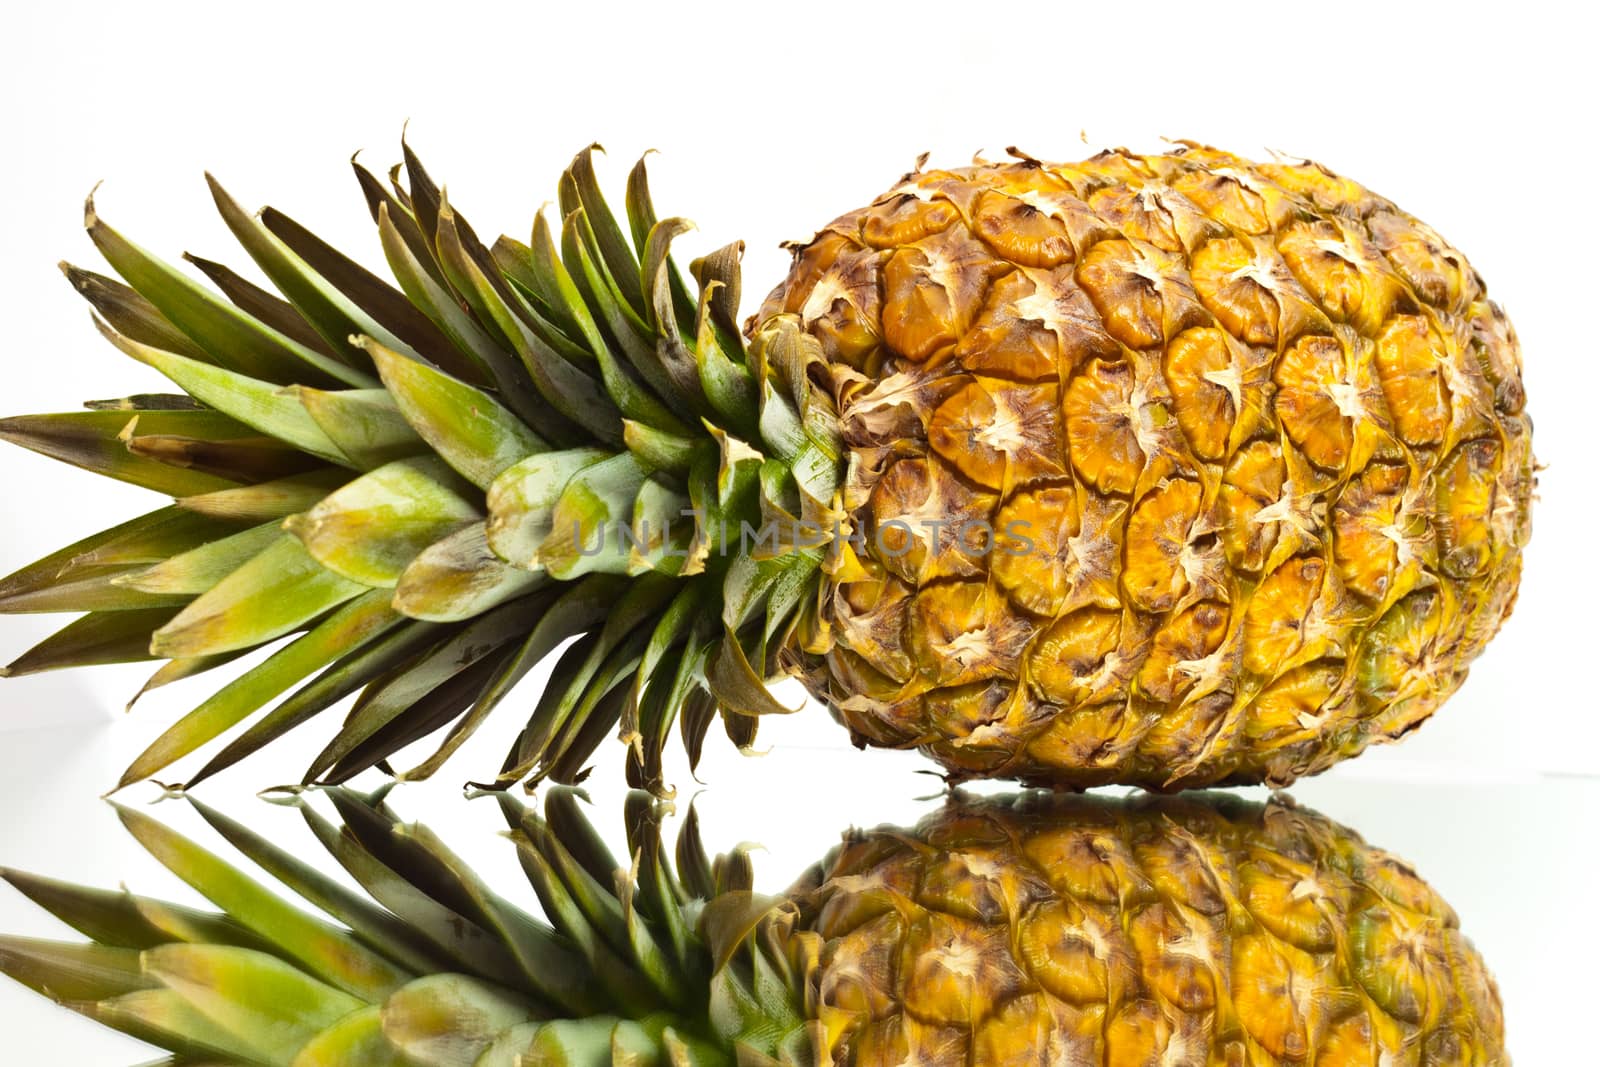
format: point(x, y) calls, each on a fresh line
point(1181, 932)
point(1170, 470)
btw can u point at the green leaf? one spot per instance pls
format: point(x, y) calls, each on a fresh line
point(129, 313)
point(66, 972)
point(164, 1018)
point(626, 330)
point(448, 1020)
point(355, 1041)
point(119, 918)
point(79, 577)
point(349, 628)
point(658, 449)
point(624, 987)
point(376, 926)
point(670, 630)
point(728, 384)
point(269, 1006)
point(364, 424)
point(397, 322)
point(465, 647)
point(266, 308)
point(380, 200)
point(230, 338)
point(324, 950)
point(277, 499)
point(608, 237)
point(632, 399)
point(258, 404)
point(458, 577)
point(659, 533)
point(554, 972)
point(240, 460)
point(456, 936)
point(718, 275)
point(494, 364)
point(466, 426)
point(579, 398)
point(322, 306)
point(277, 591)
point(370, 530)
point(642, 599)
point(579, 607)
point(737, 686)
point(379, 655)
point(586, 521)
point(641, 222)
point(91, 440)
point(197, 570)
point(523, 497)
point(97, 638)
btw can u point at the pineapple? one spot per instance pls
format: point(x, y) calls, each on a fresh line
point(1037, 929)
point(1169, 470)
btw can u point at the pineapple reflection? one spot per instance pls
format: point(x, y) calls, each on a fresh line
point(1031, 929)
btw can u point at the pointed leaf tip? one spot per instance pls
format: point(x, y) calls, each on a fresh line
point(90, 218)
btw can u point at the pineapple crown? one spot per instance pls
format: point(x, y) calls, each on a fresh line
point(660, 962)
point(423, 491)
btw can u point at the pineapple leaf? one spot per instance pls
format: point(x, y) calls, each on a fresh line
point(466, 426)
point(572, 608)
point(99, 637)
point(658, 449)
point(579, 399)
point(459, 577)
point(395, 696)
point(261, 305)
point(229, 337)
point(608, 237)
point(92, 440)
point(459, 938)
point(585, 521)
point(82, 576)
point(197, 570)
point(369, 530)
point(70, 972)
point(394, 320)
point(375, 927)
point(449, 1020)
point(357, 1040)
point(318, 305)
point(267, 1005)
point(284, 588)
point(129, 313)
point(364, 424)
point(258, 404)
point(324, 950)
point(351, 627)
point(352, 671)
point(492, 363)
point(522, 498)
point(277, 499)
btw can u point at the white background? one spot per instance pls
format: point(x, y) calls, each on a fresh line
point(770, 120)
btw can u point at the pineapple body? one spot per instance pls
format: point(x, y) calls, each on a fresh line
point(1170, 470)
point(1196, 931)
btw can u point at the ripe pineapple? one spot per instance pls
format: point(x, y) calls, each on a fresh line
point(1169, 470)
point(1038, 929)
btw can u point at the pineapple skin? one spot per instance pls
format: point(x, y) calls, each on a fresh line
point(1170, 470)
point(1201, 930)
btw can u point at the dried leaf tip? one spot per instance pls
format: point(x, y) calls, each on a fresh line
point(90, 219)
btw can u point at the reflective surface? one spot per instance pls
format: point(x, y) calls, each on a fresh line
point(1513, 856)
